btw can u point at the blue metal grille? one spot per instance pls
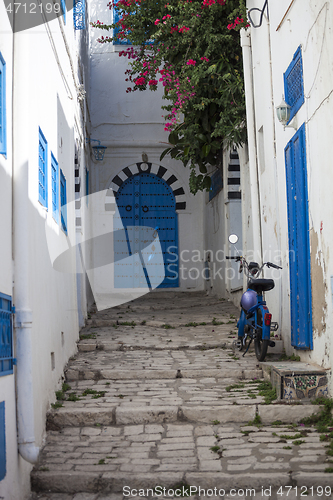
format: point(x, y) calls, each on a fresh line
point(63, 201)
point(293, 83)
point(42, 166)
point(3, 144)
point(146, 200)
point(55, 188)
point(6, 337)
point(79, 14)
point(2, 441)
point(216, 184)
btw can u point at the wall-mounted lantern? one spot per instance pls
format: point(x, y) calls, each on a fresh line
point(283, 115)
point(99, 151)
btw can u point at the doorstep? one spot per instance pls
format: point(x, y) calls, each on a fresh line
point(295, 380)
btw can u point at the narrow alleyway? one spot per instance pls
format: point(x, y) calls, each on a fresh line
point(157, 396)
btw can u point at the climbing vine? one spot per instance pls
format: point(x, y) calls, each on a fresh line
point(192, 49)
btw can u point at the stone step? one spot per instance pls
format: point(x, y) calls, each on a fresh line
point(122, 415)
point(315, 486)
point(73, 374)
point(108, 458)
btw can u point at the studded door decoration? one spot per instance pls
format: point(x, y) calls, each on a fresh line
point(145, 201)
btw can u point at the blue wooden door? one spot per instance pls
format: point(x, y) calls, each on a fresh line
point(299, 245)
point(145, 200)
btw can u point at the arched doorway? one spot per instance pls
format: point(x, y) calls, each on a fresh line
point(146, 200)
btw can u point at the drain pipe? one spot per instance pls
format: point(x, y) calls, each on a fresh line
point(23, 315)
point(251, 134)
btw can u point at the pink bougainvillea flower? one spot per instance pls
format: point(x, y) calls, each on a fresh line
point(140, 81)
point(152, 82)
point(191, 62)
point(205, 59)
point(156, 22)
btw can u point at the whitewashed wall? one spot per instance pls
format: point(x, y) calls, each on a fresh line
point(47, 99)
point(306, 24)
point(16, 482)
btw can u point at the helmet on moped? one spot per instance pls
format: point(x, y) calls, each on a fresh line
point(248, 300)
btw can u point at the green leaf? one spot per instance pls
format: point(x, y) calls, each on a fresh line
point(164, 153)
point(206, 149)
point(173, 138)
point(207, 182)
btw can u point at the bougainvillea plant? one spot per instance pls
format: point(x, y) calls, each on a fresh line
point(192, 49)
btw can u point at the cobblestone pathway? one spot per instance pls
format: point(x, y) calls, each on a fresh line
point(156, 396)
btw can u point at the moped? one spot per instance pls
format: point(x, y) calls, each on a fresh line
point(255, 322)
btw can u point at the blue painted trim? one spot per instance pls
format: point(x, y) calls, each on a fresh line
point(42, 170)
point(63, 8)
point(295, 66)
point(63, 201)
point(6, 331)
point(79, 14)
point(2, 441)
point(55, 188)
point(299, 241)
point(3, 115)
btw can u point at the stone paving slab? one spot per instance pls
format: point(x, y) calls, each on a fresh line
point(107, 458)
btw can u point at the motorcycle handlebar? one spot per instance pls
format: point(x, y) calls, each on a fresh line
point(270, 264)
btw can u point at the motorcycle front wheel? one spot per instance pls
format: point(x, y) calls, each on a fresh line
point(260, 345)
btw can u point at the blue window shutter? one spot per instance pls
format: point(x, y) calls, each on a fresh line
point(2, 441)
point(6, 335)
point(79, 14)
point(63, 8)
point(293, 83)
point(42, 167)
point(63, 201)
point(55, 188)
point(216, 184)
point(3, 141)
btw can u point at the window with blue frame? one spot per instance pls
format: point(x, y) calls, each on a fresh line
point(3, 142)
point(42, 167)
point(293, 83)
point(116, 17)
point(79, 14)
point(63, 201)
point(63, 9)
point(6, 335)
point(55, 188)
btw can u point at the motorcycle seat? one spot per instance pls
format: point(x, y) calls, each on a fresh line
point(261, 285)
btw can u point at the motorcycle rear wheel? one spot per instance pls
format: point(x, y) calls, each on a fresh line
point(260, 345)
